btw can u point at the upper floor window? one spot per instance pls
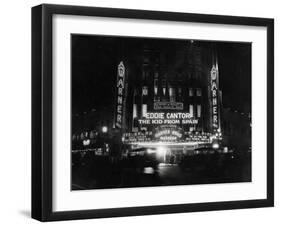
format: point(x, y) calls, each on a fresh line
point(191, 110)
point(199, 110)
point(190, 92)
point(199, 92)
point(144, 90)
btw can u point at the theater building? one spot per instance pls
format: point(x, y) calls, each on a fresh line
point(179, 102)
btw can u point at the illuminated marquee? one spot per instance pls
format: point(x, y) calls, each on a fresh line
point(169, 115)
point(214, 97)
point(120, 94)
point(170, 118)
point(168, 135)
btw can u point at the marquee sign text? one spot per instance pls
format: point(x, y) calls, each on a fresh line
point(170, 118)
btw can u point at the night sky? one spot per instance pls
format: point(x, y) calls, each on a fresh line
point(235, 75)
point(95, 60)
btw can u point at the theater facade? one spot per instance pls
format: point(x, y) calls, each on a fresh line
point(172, 102)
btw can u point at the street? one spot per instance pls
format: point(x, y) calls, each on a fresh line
point(97, 172)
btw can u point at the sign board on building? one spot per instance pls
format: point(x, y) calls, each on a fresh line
point(168, 134)
point(214, 97)
point(167, 118)
point(168, 106)
point(120, 95)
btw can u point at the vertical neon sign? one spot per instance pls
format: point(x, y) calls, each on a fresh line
point(214, 98)
point(120, 94)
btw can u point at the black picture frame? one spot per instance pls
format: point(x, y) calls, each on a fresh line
point(42, 111)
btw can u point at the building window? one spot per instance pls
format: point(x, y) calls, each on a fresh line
point(135, 113)
point(155, 86)
point(156, 74)
point(180, 91)
point(172, 94)
point(190, 92)
point(144, 110)
point(144, 90)
point(92, 135)
point(199, 111)
point(191, 110)
point(164, 86)
point(199, 92)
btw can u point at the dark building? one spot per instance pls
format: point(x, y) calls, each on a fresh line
point(237, 130)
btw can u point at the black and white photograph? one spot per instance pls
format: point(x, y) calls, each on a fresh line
point(151, 112)
point(142, 111)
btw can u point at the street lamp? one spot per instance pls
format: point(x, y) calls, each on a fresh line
point(104, 129)
point(86, 142)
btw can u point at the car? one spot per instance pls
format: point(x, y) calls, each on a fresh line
point(143, 157)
